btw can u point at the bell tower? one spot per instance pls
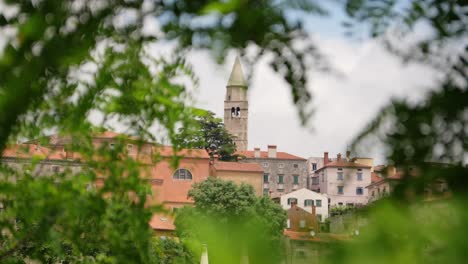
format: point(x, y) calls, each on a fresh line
point(236, 106)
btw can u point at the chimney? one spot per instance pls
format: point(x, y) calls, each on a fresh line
point(338, 157)
point(325, 158)
point(271, 151)
point(348, 155)
point(257, 152)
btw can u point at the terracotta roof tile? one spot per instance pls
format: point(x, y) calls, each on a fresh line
point(237, 166)
point(343, 163)
point(168, 151)
point(264, 155)
point(375, 177)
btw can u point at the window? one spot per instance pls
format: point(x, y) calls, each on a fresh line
point(238, 112)
point(359, 191)
point(302, 223)
point(323, 178)
point(308, 202)
point(359, 174)
point(265, 164)
point(373, 193)
point(266, 178)
point(340, 204)
point(318, 203)
point(280, 178)
point(182, 174)
point(233, 112)
point(295, 179)
point(296, 165)
point(384, 189)
point(111, 145)
point(340, 189)
point(315, 180)
point(266, 192)
point(292, 201)
point(280, 190)
point(314, 166)
point(340, 174)
point(281, 165)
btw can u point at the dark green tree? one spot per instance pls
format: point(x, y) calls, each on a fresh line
point(233, 222)
point(210, 134)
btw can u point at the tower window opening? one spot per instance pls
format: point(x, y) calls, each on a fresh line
point(233, 112)
point(238, 111)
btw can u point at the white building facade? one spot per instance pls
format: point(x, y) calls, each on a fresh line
point(344, 182)
point(305, 199)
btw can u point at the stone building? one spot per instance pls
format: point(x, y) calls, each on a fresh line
point(237, 172)
point(343, 180)
point(283, 172)
point(313, 164)
point(236, 107)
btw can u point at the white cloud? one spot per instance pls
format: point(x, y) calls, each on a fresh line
point(344, 105)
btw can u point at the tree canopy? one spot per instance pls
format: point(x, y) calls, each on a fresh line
point(210, 134)
point(233, 222)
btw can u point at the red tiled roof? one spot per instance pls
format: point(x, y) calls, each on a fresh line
point(343, 163)
point(32, 150)
point(162, 222)
point(264, 155)
point(375, 177)
point(379, 180)
point(168, 151)
point(237, 166)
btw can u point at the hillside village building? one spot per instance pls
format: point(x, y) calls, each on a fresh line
point(283, 172)
point(307, 200)
point(343, 180)
point(169, 185)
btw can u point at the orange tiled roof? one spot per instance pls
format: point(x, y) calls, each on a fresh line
point(264, 155)
point(162, 222)
point(168, 151)
point(32, 150)
point(237, 166)
point(343, 163)
point(375, 177)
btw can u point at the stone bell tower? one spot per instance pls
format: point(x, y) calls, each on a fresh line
point(236, 106)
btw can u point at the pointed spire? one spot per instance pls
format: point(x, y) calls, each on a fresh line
point(237, 76)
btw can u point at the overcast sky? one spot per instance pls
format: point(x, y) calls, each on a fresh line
point(344, 105)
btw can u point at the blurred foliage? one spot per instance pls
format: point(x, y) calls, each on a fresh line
point(171, 251)
point(425, 140)
point(232, 222)
point(64, 61)
point(209, 134)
